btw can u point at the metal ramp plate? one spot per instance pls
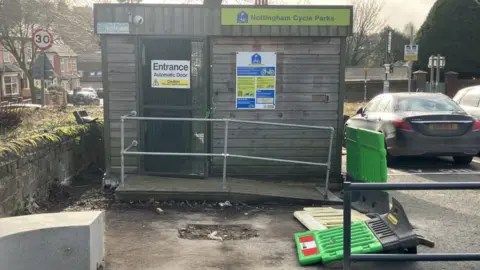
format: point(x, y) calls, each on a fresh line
point(321, 218)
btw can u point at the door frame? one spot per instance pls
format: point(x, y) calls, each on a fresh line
point(140, 101)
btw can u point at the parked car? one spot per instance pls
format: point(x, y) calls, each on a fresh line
point(90, 90)
point(469, 100)
point(85, 98)
point(421, 124)
point(99, 92)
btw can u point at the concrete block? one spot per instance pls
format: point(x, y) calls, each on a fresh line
point(69, 240)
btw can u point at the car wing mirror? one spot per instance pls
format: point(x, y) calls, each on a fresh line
point(360, 110)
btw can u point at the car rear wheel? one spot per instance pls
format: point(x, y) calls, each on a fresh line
point(463, 160)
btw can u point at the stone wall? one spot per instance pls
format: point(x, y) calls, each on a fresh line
point(31, 176)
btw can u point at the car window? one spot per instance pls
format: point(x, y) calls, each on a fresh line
point(427, 104)
point(382, 106)
point(373, 104)
point(472, 98)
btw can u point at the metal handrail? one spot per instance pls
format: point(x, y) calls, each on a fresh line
point(347, 201)
point(225, 154)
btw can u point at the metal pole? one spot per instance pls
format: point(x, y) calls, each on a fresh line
point(329, 163)
point(438, 73)
point(347, 264)
point(122, 148)
point(225, 149)
point(436, 257)
point(415, 186)
point(431, 73)
point(365, 86)
point(410, 62)
point(42, 80)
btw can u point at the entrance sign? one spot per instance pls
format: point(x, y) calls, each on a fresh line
point(411, 53)
point(286, 16)
point(171, 74)
point(256, 80)
point(42, 39)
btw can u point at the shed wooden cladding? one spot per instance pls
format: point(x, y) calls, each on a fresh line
point(197, 20)
point(121, 88)
point(302, 79)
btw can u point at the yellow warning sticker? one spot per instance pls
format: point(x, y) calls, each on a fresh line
point(155, 83)
point(392, 219)
point(185, 83)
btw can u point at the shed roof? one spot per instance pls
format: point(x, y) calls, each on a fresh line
point(9, 68)
point(90, 57)
point(200, 20)
point(62, 50)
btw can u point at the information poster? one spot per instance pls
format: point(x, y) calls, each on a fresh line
point(256, 80)
point(171, 74)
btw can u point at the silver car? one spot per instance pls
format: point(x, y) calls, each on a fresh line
point(469, 99)
point(421, 124)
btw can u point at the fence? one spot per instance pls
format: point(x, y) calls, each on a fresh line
point(434, 89)
point(132, 116)
point(348, 257)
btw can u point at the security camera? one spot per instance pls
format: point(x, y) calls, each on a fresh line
point(138, 20)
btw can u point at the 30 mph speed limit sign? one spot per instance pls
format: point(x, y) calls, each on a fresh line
point(42, 39)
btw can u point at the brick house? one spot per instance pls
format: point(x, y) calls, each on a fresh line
point(12, 79)
point(64, 61)
point(90, 69)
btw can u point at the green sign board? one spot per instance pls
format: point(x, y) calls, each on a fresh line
point(287, 16)
point(113, 28)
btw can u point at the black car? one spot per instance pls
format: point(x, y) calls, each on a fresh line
point(421, 124)
point(469, 100)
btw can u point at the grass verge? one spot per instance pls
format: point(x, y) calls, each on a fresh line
point(44, 126)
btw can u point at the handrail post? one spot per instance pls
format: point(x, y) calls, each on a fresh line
point(329, 163)
point(122, 147)
point(347, 229)
point(225, 149)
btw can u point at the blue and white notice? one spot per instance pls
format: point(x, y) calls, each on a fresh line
point(256, 80)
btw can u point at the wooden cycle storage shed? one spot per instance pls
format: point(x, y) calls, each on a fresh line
point(309, 45)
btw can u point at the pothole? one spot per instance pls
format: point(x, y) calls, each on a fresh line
point(217, 232)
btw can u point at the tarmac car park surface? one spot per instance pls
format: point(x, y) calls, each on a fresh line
point(141, 239)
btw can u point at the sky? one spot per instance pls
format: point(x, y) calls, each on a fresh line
point(397, 13)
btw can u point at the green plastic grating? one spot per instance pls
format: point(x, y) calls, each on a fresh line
point(327, 245)
point(366, 155)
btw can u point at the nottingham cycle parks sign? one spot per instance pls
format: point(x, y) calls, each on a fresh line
point(171, 74)
point(287, 16)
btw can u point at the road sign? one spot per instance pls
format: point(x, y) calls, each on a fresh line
point(411, 53)
point(42, 39)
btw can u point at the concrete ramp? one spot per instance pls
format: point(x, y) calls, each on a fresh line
point(69, 240)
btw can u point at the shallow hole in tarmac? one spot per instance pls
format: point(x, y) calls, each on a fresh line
point(217, 232)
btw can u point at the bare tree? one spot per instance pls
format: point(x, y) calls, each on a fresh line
point(73, 24)
point(408, 27)
point(366, 21)
point(18, 20)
